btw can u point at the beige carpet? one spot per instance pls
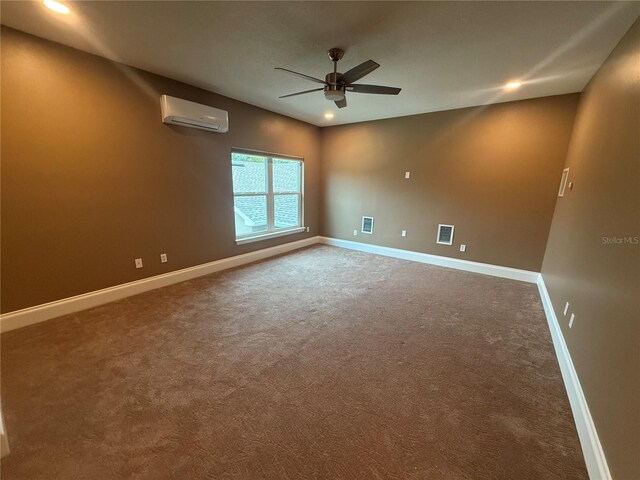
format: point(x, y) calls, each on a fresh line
point(321, 364)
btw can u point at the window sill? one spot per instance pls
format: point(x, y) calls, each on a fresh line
point(265, 236)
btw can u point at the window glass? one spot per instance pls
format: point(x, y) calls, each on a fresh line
point(250, 214)
point(286, 175)
point(286, 211)
point(249, 173)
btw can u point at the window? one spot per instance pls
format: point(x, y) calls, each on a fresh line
point(267, 195)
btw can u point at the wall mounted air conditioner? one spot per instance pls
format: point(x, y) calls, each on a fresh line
point(190, 114)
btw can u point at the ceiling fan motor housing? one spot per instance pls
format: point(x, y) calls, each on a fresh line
point(333, 90)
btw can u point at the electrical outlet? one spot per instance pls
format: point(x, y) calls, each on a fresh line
point(307, 229)
point(463, 248)
point(403, 233)
point(355, 233)
point(163, 258)
point(573, 317)
point(407, 174)
point(566, 308)
point(138, 263)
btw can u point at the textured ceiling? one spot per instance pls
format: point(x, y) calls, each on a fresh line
point(444, 55)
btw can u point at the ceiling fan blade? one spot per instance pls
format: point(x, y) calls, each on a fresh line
point(313, 79)
point(301, 93)
point(356, 73)
point(378, 89)
point(341, 103)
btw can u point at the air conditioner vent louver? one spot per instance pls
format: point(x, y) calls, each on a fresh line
point(186, 123)
point(445, 234)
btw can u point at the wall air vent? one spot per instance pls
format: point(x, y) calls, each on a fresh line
point(563, 182)
point(445, 234)
point(367, 225)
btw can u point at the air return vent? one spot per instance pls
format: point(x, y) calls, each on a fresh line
point(367, 225)
point(445, 234)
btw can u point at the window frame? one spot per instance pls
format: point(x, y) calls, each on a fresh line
point(271, 231)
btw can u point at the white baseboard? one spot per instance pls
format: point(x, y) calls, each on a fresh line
point(476, 267)
point(40, 313)
point(591, 448)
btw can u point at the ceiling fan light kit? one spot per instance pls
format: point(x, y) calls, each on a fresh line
point(336, 84)
point(334, 92)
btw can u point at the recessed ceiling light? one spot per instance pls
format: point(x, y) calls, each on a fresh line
point(57, 7)
point(328, 115)
point(513, 85)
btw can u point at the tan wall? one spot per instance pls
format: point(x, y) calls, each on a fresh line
point(92, 179)
point(492, 171)
point(602, 281)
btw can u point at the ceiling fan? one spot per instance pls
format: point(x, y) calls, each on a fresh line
point(336, 84)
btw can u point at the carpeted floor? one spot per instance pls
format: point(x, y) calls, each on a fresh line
point(321, 364)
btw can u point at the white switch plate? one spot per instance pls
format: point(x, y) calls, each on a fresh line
point(407, 174)
point(573, 317)
point(463, 248)
point(163, 258)
point(307, 229)
point(355, 233)
point(403, 233)
point(566, 308)
point(138, 263)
